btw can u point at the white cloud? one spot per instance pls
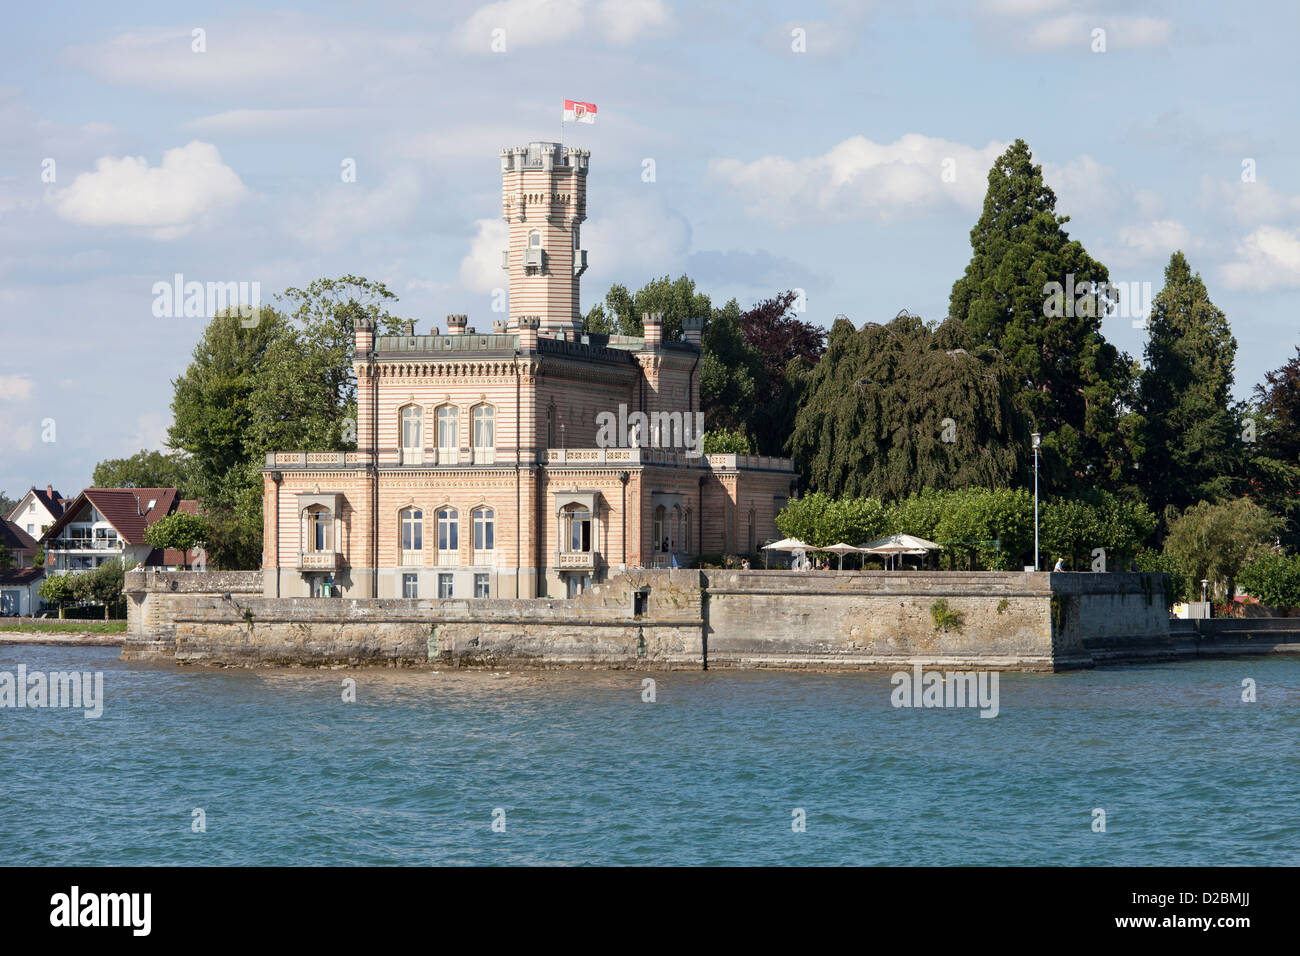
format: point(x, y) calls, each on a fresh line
point(1267, 259)
point(635, 239)
point(1158, 239)
point(284, 52)
point(168, 199)
point(1248, 203)
point(16, 434)
point(348, 210)
point(481, 270)
point(263, 122)
point(623, 21)
point(150, 431)
point(859, 178)
point(1020, 8)
point(1031, 26)
point(538, 22)
point(16, 388)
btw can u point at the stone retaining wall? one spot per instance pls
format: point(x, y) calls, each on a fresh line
point(671, 619)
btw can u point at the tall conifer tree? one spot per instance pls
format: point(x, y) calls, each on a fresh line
point(1032, 292)
point(1190, 438)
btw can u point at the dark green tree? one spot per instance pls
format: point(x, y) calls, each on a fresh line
point(676, 299)
point(178, 531)
point(1190, 447)
point(285, 383)
point(1036, 295)
point(898, 408)
point(57, 589)
point(145, 469)
point(729, 372)
point(1272, 438)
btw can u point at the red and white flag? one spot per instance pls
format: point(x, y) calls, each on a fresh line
point(575, 112)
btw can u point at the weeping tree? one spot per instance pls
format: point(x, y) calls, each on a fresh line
point(894, 409)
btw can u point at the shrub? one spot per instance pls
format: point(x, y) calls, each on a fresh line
point(945, 618)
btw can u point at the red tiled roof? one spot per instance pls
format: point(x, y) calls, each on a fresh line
point(15, 538)
point(51, 499)
point(21, 575)
point(122, 508)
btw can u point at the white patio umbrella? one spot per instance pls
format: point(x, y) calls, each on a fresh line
point(785, 544)
point(841, 549)
point(900, 544)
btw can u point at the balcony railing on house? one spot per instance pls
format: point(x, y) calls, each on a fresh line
point(319, 561)
point(578, 560)
point(84, 544)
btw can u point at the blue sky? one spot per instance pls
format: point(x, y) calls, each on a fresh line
point(820, 169)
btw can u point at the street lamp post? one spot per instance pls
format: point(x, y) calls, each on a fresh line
point(1037, 440)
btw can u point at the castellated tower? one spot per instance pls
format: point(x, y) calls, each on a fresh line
point(544, 199)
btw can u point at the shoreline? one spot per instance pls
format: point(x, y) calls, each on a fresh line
point(63, 638)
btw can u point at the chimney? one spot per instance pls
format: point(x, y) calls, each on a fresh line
point(528, 326)
point(410, 326)
point(653, 323)
point(364, 337)
point(49, 490)
point(456, 324)
point(693, 330)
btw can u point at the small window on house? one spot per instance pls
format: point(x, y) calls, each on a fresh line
point(410, 585)
point(481, 588)
point(444, 585)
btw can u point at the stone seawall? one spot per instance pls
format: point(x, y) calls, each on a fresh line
point(671, 619)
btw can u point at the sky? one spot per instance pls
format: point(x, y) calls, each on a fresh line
point(838, 148)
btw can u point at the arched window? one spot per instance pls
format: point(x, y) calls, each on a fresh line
point(686, 531)
point(534, 239)
point(449, 530)
point(485, 434)
point(448, 434)
point(675, 529)
point(318, 529)
point(550, 426)
point(412, 529)
point(485, 522)
point(660, 542)
point(752, 542)
point(577, 528)
point(412, 429)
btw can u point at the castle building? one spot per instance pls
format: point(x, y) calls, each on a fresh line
point(524, 462)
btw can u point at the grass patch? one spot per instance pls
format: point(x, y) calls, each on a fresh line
point(945, 618)
point(24, 626)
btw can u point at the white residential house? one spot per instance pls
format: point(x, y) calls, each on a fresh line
point(101, 524)
point(20, 591)
point(37, 510)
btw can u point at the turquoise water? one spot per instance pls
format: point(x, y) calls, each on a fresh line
point(287, 773)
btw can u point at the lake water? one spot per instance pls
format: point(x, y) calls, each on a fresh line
point(710, 773)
